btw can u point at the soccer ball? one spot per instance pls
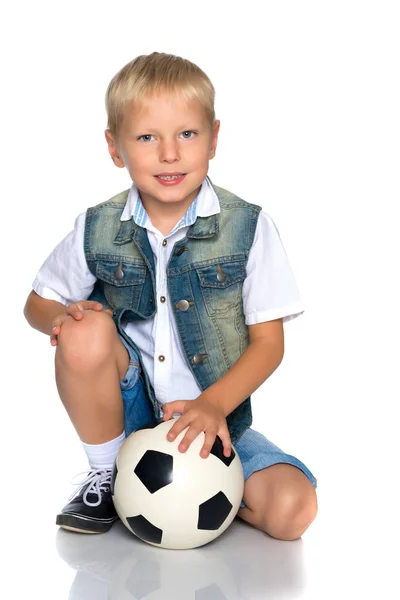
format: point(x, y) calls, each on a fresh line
point(174, 499)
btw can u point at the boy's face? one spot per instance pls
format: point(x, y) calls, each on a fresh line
point(165, 134)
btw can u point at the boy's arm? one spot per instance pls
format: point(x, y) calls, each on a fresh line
point(261, 358)
point(40, 312)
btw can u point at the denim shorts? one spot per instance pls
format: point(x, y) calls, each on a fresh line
point(255, 451)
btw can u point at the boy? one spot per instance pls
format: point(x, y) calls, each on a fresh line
point(170, 299)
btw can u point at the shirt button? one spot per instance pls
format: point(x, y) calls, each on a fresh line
point(164, 242)
point(162, 299)
point(161, 358)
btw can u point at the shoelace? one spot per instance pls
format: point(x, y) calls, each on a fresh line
point(99, 479)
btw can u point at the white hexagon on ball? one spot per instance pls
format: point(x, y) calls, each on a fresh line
point(173, 499)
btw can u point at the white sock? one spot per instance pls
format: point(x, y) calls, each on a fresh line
point(102, 456)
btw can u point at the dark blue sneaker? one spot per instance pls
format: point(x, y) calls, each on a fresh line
point(91, 509)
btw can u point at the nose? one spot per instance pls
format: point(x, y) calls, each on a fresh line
point(169, 151)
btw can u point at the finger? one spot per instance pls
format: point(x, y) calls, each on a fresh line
point(96, 305)
point(189, 437)
point(75, 311)
point(177, 427)
point(169, 408)
point(54, 335)
point(208, 443)
point(55, 331)
point(89, 304)
point(53, 340)
point(165, 410)
point(226, 442)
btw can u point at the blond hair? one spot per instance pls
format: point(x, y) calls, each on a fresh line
point(157, 72)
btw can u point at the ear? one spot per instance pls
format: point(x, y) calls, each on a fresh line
point(113, 149)
point(214, 139)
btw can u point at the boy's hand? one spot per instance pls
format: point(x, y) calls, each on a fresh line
point(76, 311)
point(200, 415)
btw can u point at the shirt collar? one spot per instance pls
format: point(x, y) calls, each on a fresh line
point(205, 204)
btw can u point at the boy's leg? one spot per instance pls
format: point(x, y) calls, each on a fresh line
point(90, 362)
point(280, 500)
point(279, 491)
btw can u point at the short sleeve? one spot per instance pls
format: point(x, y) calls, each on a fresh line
point(269, 289)
point(64, 276)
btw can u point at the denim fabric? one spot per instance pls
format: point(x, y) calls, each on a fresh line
point(138, 410)
point(255, 451)
point(206, 269)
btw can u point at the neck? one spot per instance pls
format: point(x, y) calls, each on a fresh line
point(166, 216)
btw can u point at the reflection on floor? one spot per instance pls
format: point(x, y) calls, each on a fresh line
point(242, 564)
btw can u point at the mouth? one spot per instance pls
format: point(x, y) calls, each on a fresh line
point(170, 179)
point(170, 176)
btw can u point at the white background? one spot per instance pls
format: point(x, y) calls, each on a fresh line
point(308, 97)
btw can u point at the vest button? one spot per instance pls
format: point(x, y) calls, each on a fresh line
point(119, 274)
point(161, 358)
point(198, 359)
point(182, 305)
point(180, 251)
point(164, 242)
point(162, 299)
point(221, 276)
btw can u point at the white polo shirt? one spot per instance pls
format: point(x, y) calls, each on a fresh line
point(269, 289)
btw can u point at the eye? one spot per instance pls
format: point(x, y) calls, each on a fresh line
point(147, 135)
point(188, 138)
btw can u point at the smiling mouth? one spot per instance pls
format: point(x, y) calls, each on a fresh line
point(170, 177)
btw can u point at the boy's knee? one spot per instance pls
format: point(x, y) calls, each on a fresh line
point(291, 514)
point(87, 342)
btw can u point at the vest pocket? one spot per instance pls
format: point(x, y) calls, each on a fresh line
point(122, 282)
point(221, 285)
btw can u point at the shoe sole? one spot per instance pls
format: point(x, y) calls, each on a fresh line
point(81, 525)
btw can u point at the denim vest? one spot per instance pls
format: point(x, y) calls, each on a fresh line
point(205, 275)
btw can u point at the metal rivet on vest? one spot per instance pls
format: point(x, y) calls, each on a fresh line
point(221, 276)
point(182, 305)
point(119, 274)
point(180, 251)
point(198, 359)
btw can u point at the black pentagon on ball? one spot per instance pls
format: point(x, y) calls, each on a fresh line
point(155, 470)
point(144, 529)
point(213, 512)
point(113, 478)
point(218, 451)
